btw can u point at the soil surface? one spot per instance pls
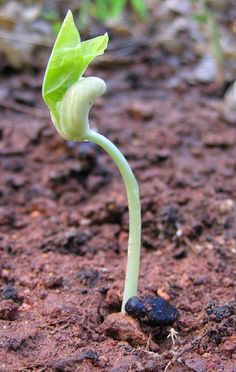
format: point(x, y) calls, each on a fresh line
point(64, 227)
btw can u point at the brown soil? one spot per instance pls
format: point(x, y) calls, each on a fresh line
point(64, 230)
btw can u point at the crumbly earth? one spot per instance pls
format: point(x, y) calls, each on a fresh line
point(64, 227)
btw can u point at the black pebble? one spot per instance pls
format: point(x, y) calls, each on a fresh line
point(151, 310)
point(218, 313)
point(10, 293)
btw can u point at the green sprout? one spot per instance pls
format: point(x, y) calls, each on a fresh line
point(105, 10)
point(206, 16)
point(69, 97)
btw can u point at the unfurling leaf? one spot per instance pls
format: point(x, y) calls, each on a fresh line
point(69, 59)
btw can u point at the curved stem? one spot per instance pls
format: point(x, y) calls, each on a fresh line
point(132, 271)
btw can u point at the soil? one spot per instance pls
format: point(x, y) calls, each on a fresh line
point(64, 227)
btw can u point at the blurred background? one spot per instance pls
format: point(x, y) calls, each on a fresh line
point(196, 38)
point(199, 32)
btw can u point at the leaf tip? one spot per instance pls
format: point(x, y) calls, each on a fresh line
point(69, 14)
point(106, 37)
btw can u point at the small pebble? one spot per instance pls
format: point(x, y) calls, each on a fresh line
point(229, 346)
point(196, 363)
point(43, 295)
point(5, 274)
point(200, 279)
point(151, 310)
point(53, 281)
point(122, 327)
point(8, 310)
point(25, 307)
point(218, 313)
point(180, 253)
point(10, 293)
point(162, 292)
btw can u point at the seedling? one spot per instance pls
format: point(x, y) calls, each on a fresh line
point(206, 16)
point(104, 10)
point(69, 97)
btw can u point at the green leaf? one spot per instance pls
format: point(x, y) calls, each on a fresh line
point(140, 8)
point(199, 17)
point(69, 59)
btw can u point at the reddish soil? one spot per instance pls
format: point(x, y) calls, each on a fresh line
point(64, 230)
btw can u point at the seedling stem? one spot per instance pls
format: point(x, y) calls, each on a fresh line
point(132, 270)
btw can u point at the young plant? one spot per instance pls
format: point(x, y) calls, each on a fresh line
point(69, 97)
point(206, 16)
point(111, 9)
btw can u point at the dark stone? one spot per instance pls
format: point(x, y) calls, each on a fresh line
point(170, 215)
point(69, 242)
point(90, 354)
point(180, 253)
point(216, 335)
point(218, 313)
point(53, 282)
point(10, 293)
point(151, 310)
point(71, 363)
point(88, 277)
point(171, 220)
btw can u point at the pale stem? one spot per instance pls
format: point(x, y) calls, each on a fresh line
point(133, 260)
point(216, 47)
point(215, 41)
